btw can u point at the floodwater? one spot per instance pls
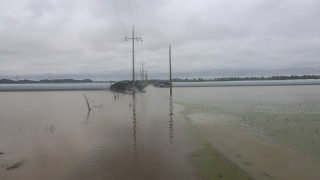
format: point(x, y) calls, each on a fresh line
point(54, 87)
point(52, 135)
point(270, 132)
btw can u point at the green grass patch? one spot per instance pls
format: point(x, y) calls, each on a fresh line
point(213, 165)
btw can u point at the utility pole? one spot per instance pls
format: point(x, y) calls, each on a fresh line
point(146, 75)
point(141, 75)
point(170, 70)
point(142, 72)
point(133, 38)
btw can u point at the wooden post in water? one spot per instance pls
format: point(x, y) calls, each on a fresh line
point(170, 70)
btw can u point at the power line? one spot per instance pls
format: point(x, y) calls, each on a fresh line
point(133, 6)
point(137, 14)
point(119, 19)
point(131, 9)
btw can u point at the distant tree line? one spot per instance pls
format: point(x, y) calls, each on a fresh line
point(9, 81)
point(292, 77)
point(252, 78)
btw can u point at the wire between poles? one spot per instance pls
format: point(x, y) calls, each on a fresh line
point(131, 9)
point(119, 19)
point(137, 14)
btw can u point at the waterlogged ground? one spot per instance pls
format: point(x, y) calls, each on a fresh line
point(271, 132)
point(202, 133)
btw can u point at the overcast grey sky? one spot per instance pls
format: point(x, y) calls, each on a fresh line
point(209, 38)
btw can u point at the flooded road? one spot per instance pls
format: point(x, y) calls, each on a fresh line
point(52, 135)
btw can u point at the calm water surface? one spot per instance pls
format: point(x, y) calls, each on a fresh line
point(54, 86)
point(270, 132)
point(55, 137)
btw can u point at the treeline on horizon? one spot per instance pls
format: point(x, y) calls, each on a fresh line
point(253, 78)
point(292, 77)
point(25, 81)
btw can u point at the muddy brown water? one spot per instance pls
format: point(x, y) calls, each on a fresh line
point(121, 138)
point(54, 136)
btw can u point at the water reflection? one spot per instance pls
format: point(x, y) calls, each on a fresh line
point(171, 119)
point(50, 128)
point(115, 97)
point(90, 116)
point(134, 125)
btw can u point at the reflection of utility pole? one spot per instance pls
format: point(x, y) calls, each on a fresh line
point(171, 119)
point(133, 39)
point(134, 126)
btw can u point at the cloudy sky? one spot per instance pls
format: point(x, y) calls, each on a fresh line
point(76, 38)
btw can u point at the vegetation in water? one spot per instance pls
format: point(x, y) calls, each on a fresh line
point(213, 165)
point(293, 124)
point(16, 165)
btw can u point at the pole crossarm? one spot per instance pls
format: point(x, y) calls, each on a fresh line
point(135, 38)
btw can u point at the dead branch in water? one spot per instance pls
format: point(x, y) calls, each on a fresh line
point(88, 105)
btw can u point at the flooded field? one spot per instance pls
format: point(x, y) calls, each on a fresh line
point(269, 132)
point(52, 135)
